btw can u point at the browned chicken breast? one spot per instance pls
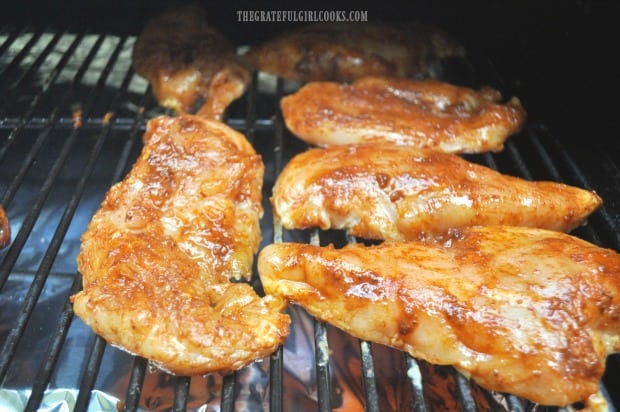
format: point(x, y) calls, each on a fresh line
point(427, 113)
point(5, 229)
point(157, 258)
point(379, 191)
point(190, 65)
point(346, 51)
point(525, 311)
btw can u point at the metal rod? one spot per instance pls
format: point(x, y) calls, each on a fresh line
point(279, 129)
point(54, 348)
point(40, 278)
point(36, 64)
point(369, 380)
point(581, 179)
point(90, 374)
point(276, 383)
point(18, 126)
point(415, 377)
point(250, 118)
point(13, 34)
point(51, 121)
point(181, 393)
point(321, 347)
point(322, 365)
point(518, 160)
point(515, 403)
point(464, 391)
point(228, 393)
point(136, 380)
point(19, 57)
point(28, 223)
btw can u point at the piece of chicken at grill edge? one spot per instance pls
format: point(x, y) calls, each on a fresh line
point(526, 311)
point(189, 63)
point(158, 256)
point(347, 51)
point(424, 113)
point(5, 229)
point(382, 191)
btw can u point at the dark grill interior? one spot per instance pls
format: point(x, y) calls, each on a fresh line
point(72, 113)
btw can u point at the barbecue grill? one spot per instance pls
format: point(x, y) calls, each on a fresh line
point(72, 113)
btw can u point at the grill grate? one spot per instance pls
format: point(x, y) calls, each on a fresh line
point(71, 117)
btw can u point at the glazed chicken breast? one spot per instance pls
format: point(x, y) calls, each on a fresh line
point(191, 67)
point(524, 311)
point(344, 52)
point(425, 113)
point(379, 191)
point(158, 256)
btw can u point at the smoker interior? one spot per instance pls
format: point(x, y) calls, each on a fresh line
point(72, 113)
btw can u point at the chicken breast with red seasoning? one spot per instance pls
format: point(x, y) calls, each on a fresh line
point(525, 311)
point(158, 256)
point(344, 52)
point(429, 113)
point(383, 191)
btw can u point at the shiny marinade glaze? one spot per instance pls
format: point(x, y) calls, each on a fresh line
point(380, 191)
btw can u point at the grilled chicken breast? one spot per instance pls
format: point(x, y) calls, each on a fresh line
point(346, 51)
point(192, 68)
point(380, 191)
point(158, 256)
point(426, 113)
point(525, 311)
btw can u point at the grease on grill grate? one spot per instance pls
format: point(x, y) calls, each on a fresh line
point(54, 172)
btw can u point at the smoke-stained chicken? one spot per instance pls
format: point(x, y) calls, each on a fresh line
point(520, 310)
point(190, 65)
point(380, 191)
point(426, 113)
point(347, 51)
point(158, 256)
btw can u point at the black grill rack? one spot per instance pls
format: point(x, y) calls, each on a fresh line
point(72, 113)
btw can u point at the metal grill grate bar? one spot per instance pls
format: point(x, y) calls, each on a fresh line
point(228, 393)
point(41, 380)
point(276, 366)
point(181, 394)
point(369, 381)
point(18, 180)
point(611, 224)
point(90, 374)
point(276, 384)
point(415, 378)
point(27, 74)
point(464, 391)
point(249, 128)
point(10, 39)
point(41, 276)
point(23, 121)
point(134, 389)
point(4, 73)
